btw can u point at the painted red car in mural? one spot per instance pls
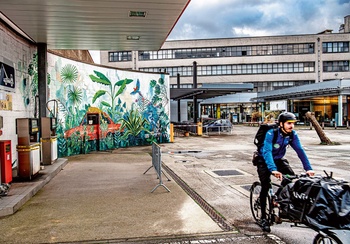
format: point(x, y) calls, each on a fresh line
point(95, 125)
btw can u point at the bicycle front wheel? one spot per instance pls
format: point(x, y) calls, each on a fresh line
point(255, 206)
point(326, 239)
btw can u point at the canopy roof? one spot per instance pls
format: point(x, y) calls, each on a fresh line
point(95, 24)
point(209, 91)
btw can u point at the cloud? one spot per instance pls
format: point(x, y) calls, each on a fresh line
point(236, 18)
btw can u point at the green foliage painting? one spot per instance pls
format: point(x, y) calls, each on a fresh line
point(105, 108)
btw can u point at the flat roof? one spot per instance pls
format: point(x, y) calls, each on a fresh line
point(326, 88)
point(209, 91)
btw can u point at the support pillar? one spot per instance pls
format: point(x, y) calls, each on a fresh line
point(42, 78)
point(340, 110)
point(178, 101)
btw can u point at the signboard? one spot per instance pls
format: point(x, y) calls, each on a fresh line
point(278, 105)
point(5, 101)
point(7, 77)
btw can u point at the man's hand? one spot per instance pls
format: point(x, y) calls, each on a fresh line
point(277, 174)
point(310, 173)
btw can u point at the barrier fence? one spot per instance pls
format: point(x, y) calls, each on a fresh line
point(157, 165)
point(185, 129)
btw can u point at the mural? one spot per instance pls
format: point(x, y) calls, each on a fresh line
point(101, 108)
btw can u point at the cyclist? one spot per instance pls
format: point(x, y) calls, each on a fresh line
point(272, 162)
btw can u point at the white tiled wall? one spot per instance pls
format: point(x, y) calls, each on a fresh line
point(16, 52)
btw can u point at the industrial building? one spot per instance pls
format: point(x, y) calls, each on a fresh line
point(269, 63)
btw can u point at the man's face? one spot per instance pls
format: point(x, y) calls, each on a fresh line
point(288, 126)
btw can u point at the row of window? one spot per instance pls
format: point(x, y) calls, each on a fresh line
point(275, 85)
point(234, 51)
point(231, 51)
point(262, 86)
point(335, 47)
point(270, 68)
point(335, 66)
point(120, 56)
point(208, 70)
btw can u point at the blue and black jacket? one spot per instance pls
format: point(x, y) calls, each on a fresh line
point(273, 151)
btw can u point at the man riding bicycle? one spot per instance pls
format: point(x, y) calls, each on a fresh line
point(271, 161)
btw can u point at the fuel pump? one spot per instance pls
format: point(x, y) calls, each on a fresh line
point(48, 140)
point(48, 135)
point(28, 148)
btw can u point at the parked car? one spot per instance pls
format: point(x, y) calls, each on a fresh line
point(96, 124)
point(218, 125)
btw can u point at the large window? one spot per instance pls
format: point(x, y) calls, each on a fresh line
point(335, 47)
point(210, 70)
point(230, 51)
point(335, 66)
point(119, 56)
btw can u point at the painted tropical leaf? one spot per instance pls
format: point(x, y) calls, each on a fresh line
point(75, 95)
point(153, 83)
point(69, 73)
point(101, 76)
point(161, 81)
point(157, 89)
point(121, 89)
point(133, 123)
point(100, 81)
point(125, 81)
point(97, 95)
point(106, 104)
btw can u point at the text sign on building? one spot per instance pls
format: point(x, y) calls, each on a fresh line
point(7, 77)
point(278, 105)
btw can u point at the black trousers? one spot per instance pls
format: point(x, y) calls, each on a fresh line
point(265, 180)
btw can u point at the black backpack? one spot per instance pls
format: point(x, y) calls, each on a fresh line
point(260, 135)
point(260, 138)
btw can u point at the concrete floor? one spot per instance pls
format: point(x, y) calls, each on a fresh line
point(105, 197)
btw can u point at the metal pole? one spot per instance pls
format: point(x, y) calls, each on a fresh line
point(178, 101)
point(340, 104)
point(195, 107)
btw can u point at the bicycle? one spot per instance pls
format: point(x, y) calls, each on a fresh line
point(276, 215)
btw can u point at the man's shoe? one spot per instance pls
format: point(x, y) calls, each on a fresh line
point(265, 226)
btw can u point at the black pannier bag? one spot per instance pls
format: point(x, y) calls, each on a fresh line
point(332, 205)
point(320, 202)
point(298, 197)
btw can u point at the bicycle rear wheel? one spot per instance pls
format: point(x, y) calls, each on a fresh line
point(255, 206)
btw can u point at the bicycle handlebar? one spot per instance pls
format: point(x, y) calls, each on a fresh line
point(293, 177)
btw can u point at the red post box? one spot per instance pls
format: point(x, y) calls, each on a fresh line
point(6, 161)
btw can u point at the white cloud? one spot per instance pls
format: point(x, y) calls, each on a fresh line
point(235, 18)
point(246, 31)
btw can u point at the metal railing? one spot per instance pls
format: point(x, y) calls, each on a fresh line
point(217, 130)
point(157, 165)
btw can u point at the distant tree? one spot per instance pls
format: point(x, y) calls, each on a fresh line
point(324, 139)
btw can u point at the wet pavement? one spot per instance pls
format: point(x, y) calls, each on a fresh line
point(105, 197)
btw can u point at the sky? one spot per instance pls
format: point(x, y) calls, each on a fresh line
point(203, 19)
point(206, 19)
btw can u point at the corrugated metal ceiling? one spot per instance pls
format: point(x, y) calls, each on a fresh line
point(95, 24)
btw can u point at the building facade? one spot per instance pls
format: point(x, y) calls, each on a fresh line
point(270, 63)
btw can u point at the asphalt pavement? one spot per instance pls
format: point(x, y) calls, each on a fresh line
point(105, 197)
